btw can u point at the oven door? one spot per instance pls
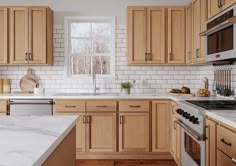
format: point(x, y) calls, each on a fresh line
point(192, 146)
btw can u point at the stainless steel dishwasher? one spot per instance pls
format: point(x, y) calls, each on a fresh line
point(24, 107)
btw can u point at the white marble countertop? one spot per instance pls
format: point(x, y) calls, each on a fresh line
point(29, 141)
point(224, 117)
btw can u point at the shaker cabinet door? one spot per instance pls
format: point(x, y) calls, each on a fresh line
point(3, 35)
point(19, 34)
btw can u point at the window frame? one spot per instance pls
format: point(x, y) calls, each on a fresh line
point(67, 55)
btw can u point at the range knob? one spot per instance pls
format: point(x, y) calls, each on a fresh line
point(187, 116)
point(191, 118)
point(179, 111)
point(195, 121)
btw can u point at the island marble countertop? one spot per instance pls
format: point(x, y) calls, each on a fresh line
point(29, 141)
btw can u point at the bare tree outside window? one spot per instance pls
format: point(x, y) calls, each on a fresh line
point(90, 46)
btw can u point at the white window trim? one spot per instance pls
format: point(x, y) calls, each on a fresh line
point(67, 67)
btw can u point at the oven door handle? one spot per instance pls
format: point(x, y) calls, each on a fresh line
point(193, 133)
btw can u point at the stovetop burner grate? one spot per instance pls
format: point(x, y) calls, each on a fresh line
point(215, 104)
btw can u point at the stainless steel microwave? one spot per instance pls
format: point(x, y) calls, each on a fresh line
point(221, 36)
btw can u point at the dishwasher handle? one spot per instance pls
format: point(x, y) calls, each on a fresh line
point(12, 102)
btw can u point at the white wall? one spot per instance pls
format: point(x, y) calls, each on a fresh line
point(91, 7)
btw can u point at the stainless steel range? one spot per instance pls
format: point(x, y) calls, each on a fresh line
point(192, 121)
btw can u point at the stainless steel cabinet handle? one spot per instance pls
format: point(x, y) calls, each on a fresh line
point(121, 119)
point(26, 56)
point(134, 106)
point(174, 125)
point(197, 53)
point(30, 58)
point(218, 3)
point(234, 160)
point(101, 106)
point(146, 56)
point(70, 106)
point(207, 131)
point(226, 143)
point(189, 55)
point(88, 119)
point(170, 56)
point(84, 119)
point(173, 109)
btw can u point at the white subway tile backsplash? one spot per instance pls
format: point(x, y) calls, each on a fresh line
point(159, 79)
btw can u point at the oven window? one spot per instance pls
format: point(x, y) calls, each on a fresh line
point(192, 148)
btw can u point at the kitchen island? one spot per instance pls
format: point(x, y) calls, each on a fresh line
point(35, 141)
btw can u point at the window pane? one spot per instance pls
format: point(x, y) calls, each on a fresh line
point(82, 30)
point(81, 65)
point(105, 60)
point(102, 45)
point(97, 64)
point(81, 46)
point(101, 30)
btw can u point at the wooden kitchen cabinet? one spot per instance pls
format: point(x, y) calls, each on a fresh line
point(176, 35)
point(146, 35)
point(30, 35)
point(189, 34)
point(175, 133)
point(160, 126)
point(101, 132)
point(134, 132)
point(3, 35)
point(199, 18)
point(216, 6)
point(3, 107)
point(210, 143)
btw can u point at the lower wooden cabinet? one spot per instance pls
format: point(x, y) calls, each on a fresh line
point(223, 159)
point(210, 143)
point(160, 126)
point(3, 107)
point(175, 132)
point(133, 132)
point(101, 132)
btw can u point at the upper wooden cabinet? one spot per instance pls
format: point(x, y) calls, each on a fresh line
point(146, 35)
point(3, 36)
point(176, 35)
point(199, 18)
point(189, 34)
point(151, 35)
point(30, 35)
point(216, 6)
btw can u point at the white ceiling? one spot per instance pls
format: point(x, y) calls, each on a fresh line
point(92, 7)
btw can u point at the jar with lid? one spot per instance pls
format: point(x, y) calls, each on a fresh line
point(6, 86)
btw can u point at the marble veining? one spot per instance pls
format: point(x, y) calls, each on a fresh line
point(29, 141)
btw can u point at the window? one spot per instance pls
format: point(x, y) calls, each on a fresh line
point(90, 46)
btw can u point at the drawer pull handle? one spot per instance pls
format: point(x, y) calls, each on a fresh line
point(70, 106)
point(234, 160)
point(135, 106)
point(101, 106)
point(226, 143)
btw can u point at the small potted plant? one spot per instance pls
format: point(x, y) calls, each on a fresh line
point(125, 87)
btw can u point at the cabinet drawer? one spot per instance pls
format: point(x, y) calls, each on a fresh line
point(101, 105)
point(70, 105)
point(226, 141)
point(134, 106)
point(223, 160)
point(3, 106)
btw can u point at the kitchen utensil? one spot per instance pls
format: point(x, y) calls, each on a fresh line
point(28, 82)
